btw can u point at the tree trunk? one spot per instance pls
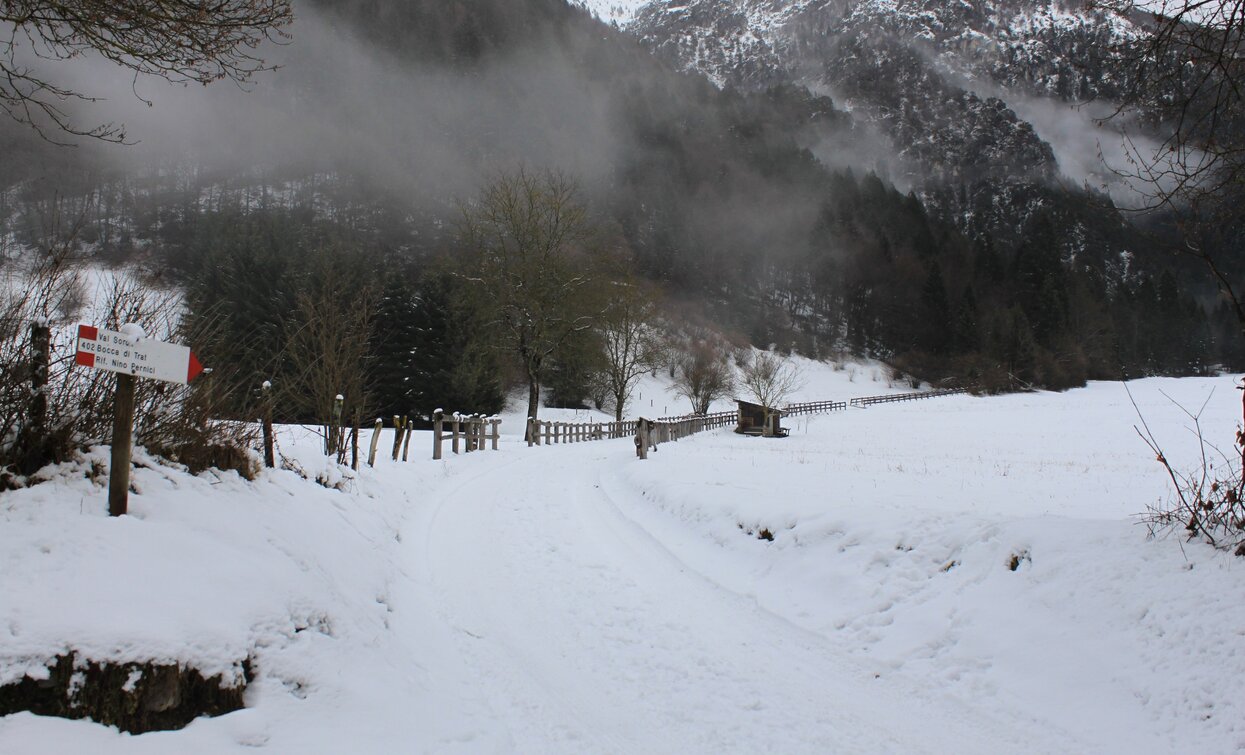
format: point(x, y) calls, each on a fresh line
point(533, 398)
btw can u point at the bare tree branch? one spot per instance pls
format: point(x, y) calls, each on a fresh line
point(197, 41)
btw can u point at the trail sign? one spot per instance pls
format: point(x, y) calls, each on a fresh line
point(130, 355)
point(141, 357)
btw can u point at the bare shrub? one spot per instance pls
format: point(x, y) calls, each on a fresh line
point(1209, 500)
point(703, 375)
point(76, 407)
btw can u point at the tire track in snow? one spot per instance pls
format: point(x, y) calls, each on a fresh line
point(588, 635)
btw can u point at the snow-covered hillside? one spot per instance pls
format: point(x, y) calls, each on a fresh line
point(953, 575)
point(619, 12)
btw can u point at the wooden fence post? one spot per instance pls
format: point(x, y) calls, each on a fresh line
point(122, 446)
point(371, 452)
point(270, 456)
point(34, 437)
point(496, 423)
point(333, 437)
point(455, 428)
point(438, 420)
point(397, 436)
point(354, 440)
point(406, 436)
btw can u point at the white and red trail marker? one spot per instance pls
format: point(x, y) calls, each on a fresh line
point(141, 357)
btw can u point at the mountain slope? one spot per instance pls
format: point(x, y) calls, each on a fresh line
point(936, 79)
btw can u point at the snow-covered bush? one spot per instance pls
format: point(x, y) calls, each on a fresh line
point(50, 408)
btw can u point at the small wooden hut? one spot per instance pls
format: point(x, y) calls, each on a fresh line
point(753, 419)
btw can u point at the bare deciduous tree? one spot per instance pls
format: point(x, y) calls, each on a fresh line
point(1187, 70)
point(1189, 74)
point(770, 379)
point(633, 346)
point(329, 343)
point(702, 376)
point(198, 41)
point(527, 240)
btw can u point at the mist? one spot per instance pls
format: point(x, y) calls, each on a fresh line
point(339, 104)
point(1089, 151)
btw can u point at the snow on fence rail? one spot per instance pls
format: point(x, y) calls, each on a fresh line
point(864, 401)
point(469, 430)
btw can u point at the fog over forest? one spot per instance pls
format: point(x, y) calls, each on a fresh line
point(340, 102)
point(886, 207)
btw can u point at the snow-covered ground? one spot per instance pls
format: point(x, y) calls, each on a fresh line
point(953, 575)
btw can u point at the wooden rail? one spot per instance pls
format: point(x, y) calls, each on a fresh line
point(864, 401)
point(548, 433)
point(650, 433)
point(468, 431)
point(813, 407)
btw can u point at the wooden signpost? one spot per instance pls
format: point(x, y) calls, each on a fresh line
point(131, 355)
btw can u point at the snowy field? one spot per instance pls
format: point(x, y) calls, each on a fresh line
point(953, 575)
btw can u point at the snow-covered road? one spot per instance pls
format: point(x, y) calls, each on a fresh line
point(586, 635)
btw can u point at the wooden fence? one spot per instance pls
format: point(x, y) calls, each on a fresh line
point(649, 433)
point(864, 401)
point(468, 432)
point(813, 407)
point(652, 432)
point(548, 433)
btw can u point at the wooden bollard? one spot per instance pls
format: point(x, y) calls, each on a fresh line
point(397, 436)
point(406, 440)
point(354, 440)
point(371, 452)
point(334, 434)
point(438, 424)
point(641, 439)
point(122, 446)
point(270, 456)
point(530, 433)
